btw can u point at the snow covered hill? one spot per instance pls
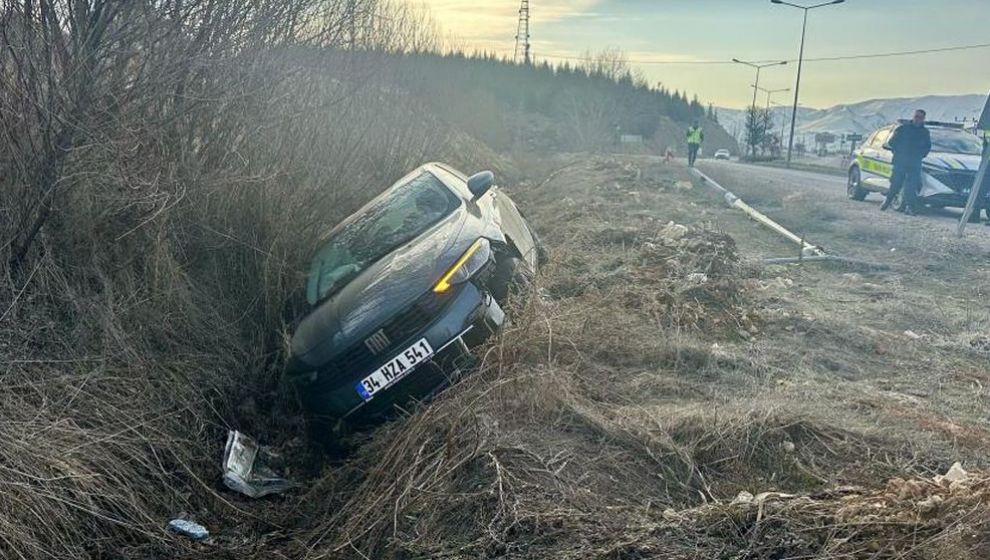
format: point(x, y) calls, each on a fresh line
point(866, 116)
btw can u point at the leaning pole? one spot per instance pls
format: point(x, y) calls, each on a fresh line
point(979, 185)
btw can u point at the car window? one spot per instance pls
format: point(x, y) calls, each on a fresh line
point(881, 138)
point(955, 142)
point(386, 224)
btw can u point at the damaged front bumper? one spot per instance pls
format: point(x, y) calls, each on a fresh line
point(470, 318)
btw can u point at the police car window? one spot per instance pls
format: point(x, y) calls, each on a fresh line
point(955, 142)
point(881, 138)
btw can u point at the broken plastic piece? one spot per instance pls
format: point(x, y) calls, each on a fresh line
point(186, 528)
point(245, 470)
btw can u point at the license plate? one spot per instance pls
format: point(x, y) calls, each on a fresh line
point(394, 369)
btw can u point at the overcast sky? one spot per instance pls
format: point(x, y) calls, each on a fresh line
point(703, 30)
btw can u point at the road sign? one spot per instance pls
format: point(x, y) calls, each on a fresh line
point(854, 137)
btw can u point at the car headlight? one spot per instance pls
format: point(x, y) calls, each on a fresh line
point(473, 260)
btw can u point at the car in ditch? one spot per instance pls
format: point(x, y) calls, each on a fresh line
point(948, 173)
point(400, 293)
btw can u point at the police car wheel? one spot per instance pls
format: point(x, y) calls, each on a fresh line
point(854, 189)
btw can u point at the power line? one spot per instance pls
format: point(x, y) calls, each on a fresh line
point(819, 59)
point(899, 53)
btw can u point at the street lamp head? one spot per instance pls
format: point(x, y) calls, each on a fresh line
point(783, 62)
point(736, 60)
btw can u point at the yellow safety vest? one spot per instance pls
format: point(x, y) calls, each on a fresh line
point(694, 135)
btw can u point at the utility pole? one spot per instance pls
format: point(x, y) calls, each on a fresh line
point(522, 34)
point(797, 85)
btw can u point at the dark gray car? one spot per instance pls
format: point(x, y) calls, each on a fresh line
point(402, 290)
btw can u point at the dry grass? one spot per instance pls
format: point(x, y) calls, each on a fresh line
point(618, 419)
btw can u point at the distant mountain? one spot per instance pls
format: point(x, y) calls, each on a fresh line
point(865, 116)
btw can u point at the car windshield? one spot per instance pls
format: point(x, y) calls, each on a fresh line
point(955, 142)
point(390, 222)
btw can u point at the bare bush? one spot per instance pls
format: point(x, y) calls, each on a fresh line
point(168, 168)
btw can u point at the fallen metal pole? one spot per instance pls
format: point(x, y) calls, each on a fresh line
point(807, 249)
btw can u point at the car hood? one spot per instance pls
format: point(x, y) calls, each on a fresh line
point(381, 291)
point(954, 162)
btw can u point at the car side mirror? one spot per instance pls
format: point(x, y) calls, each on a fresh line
point(480, 183)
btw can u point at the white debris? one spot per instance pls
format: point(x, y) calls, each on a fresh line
point(955, 474)
point(743, 497)
point(245, 471)
point(912, 335)
point(186, 528)
point(674, 231)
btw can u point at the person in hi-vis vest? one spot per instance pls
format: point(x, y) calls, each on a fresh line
point(695, 136)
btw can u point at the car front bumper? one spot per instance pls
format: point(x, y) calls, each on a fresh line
point(467, 321)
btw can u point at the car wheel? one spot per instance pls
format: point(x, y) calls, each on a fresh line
point(854, 186)
point(974, 217)
point(512, 276)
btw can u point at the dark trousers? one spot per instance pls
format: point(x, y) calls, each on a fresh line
point(908, 178)
point(692, 153)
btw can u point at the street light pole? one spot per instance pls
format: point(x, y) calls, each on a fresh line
point(797, 89)
point(756, 87)
point(770, 92)
point(797, 85)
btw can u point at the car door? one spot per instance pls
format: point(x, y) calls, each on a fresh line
point(876, 161)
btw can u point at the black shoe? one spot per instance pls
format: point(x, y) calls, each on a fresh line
point(885, 205)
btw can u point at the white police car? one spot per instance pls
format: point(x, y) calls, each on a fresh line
point(948, 173)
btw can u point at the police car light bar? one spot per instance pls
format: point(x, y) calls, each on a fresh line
point(940, 124)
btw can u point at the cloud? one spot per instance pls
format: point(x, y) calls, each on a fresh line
point(493, 24)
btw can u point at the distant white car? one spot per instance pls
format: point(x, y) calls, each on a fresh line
point(722, 154)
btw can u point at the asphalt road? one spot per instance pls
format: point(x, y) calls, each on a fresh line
point(814, 206)
point(833, 185)
point(828, 187)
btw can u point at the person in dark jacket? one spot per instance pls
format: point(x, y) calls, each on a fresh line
point(910, 143)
